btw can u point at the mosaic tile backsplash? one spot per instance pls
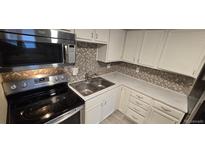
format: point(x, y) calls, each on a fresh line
point(172, 81)
point(86, 62)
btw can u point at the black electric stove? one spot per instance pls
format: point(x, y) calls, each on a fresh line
point(50, 104)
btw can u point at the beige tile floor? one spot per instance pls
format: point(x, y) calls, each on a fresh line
point(117, 118)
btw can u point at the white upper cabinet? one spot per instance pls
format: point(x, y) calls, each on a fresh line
point(183, 51)
point(67, 30)
point(113, 50)
point(92, 35)
point(101, 35)
point(133, 44)
point(84, 34)
point(151, 47)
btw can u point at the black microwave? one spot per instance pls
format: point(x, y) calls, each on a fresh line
point(22, 49)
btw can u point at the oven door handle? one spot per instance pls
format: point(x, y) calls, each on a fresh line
point(65, 116)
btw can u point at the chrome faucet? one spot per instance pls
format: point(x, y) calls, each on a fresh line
point(89, 75)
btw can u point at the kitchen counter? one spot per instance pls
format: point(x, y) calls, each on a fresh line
point(169, 97)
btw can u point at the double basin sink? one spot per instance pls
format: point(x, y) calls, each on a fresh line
point(88, 87)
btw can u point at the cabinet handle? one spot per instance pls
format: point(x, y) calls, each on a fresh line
point(92, 35)
point(167, 110)
point(140, 97)
point(136, 110)
point(138, 103)
point(134, 117)
point(133, 59)
point(96, 36)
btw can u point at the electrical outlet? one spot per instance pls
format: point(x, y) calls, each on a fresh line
point(108, 66)
point(137, 69)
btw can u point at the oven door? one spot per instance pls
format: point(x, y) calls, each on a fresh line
point(75, 116)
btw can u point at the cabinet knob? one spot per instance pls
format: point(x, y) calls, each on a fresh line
point(24, 84)
point(13, 87)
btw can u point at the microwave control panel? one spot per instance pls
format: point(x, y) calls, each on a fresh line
point(70, 54)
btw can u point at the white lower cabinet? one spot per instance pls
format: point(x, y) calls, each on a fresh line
point(158, 117)
point(144, 109)
point(93, 114)
point(100, 107)
point(138, 107)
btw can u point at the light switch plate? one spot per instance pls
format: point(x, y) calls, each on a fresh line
point(108, 66)
point(75, 70)
point(137, 69)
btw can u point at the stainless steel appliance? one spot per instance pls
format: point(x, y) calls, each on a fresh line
point(43, 100)
point(23, 49)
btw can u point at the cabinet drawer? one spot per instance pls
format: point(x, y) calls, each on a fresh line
point(168, 110)
point(138, 109)
point(141, 97)
point(134, 116)
point(138, 103)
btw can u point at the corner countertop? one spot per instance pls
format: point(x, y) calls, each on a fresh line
point(169, 97)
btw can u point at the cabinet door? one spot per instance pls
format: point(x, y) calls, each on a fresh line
point(84, 34)
point(110, 100)
point(108, 107)
point(132, 46)
point(183, 49)
point(125, 94)
point(152, 47)
point(116, 43)
point(102, 35)
point(158, 117)
point(93, 115)
point(116, 94)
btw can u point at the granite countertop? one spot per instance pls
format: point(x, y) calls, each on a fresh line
point(169, 97)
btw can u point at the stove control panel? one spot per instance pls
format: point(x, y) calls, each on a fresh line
point(41, 80)
point(29, 84)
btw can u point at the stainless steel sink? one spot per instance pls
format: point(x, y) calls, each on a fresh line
point(91, 86)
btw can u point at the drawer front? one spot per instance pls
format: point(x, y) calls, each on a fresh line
point(168, 110)
point(137, 102)
point(135, 117)
point(141, 97)
point(138, 109)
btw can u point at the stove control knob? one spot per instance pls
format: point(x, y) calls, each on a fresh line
point(56, 78)
point(13, 87)
point(62, 77)
point(24, 85)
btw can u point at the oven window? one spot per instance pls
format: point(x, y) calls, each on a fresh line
point(21, 53)
point(75, 119)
